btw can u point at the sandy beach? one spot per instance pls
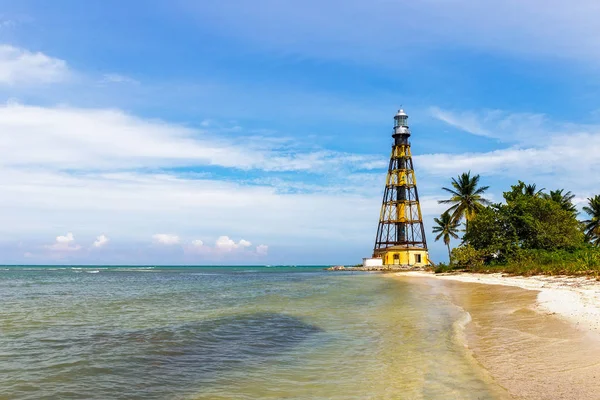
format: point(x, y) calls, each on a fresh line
point(539, 343)
point(575, 299)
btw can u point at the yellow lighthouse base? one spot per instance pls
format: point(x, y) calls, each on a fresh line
point(398, 255)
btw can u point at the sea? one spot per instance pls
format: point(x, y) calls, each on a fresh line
point(100, 332)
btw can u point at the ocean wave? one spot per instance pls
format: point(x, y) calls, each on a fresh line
point(133, 269)
point(459, 326)
point(203, 274)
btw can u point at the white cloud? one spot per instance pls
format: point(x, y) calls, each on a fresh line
point(262, 249)
point(68, 238)
point(224, 248)
point(244, 243)
point(550, 153)
point(197, 247)
point(467, 122)
point(135, 202)
point(101, 241)
point(165, 239)
point(197, 243)
point(64, 243)
point(224, 243)
point(523, 128)
point(82, 139)
point(87, 162)
point(19, 66)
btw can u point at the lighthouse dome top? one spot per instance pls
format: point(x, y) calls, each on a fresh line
point(401, 113)
point(401, 123)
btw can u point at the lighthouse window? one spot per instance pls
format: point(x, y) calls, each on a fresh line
point(417, 258)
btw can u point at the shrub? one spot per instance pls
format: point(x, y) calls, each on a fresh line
point(442, 267)
point(559, 262)
point(467, 257)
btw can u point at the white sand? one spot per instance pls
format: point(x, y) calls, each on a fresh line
point(575, 299)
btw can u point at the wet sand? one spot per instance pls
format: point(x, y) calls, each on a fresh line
point(575, 299)
point(532, 353)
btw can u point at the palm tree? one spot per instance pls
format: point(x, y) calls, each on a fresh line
point(592, 225)
point(530, 190)
point(466, 198)
point(564, 200)
point(446, 228)
point(522, 189)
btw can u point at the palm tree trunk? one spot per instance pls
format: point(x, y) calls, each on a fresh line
point(449, 254)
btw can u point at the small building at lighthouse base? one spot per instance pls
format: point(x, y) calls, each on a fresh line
point(402, 255)
point(372, 262)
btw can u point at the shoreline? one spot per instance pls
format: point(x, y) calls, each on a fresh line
point(573, 299)
point(538, 337)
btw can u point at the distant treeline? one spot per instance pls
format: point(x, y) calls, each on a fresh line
point(531, 232)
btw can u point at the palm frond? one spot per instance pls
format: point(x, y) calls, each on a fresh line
point(454, 193)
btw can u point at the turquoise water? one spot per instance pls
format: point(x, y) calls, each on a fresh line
point(229, 332)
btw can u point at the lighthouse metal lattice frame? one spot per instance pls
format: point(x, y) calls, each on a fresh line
point(400, 221)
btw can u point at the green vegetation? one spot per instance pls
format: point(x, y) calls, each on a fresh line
point(443, 267)
point(446, 228)
point(592, 225)
point(531, 232)
point(565, 200)
point(466, 200)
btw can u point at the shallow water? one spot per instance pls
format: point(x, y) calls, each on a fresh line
point(222, 333)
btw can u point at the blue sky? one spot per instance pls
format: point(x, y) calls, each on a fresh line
point(228, 132)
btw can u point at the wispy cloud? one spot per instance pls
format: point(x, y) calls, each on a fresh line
point(468, 122)
point(7, 23)
point(23, 67)
point(112, 163)
point(525, 28)
point(118, 78)
point(522, 128)
point(73, 138)
point(552, 153)
point(139, 204)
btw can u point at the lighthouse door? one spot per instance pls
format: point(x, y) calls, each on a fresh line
point(396, 259)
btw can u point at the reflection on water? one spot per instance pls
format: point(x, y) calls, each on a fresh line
point(210, 333)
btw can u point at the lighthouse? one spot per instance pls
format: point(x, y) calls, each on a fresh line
point(400, 238)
